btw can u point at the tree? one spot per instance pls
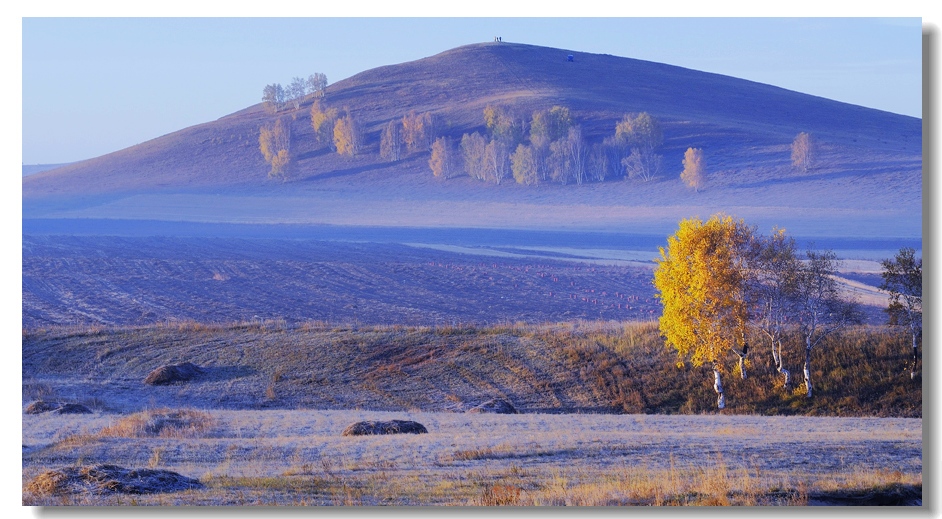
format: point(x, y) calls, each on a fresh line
point(316, 83)
point(503, 125)
point(774, 267)
point(641, 134)
point(347, 136)
point(558, 164)
point(820, 307)
point(694, 173)
point(902, 279)
point(274, 97)
point(577, 153)
point(390, 142)
point(701, 282)
point(523, 165)
point(274, 141)
point(417, 131)
point(497, 158)
point(547, 126)
point(323, 120)
point(473, 148)
point(296, 92)
point(597, 165)
point(803, 152)
point(442, 158)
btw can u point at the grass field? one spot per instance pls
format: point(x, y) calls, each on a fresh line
point(262, 424)
point(298, 457)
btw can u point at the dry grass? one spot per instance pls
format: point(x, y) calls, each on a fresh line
point(570, 367)
point(295, 458)
point(162, 423)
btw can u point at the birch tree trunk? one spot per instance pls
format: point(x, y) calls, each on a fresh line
point(912, 371)
point(808, 385)
point(777, 356)
point(718, 387)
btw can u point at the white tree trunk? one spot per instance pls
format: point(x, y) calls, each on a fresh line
point(777, 355)
point(912, 372)
point(718, 387)
point(808, 385)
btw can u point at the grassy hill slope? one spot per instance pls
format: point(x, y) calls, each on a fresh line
point(869, 168)
point(574, 367)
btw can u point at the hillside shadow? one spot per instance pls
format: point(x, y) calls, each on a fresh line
point(320, 152)
point(223, 373)
point(338, 173)
point(879, 169)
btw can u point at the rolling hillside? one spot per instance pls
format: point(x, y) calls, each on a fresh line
point(868, 181)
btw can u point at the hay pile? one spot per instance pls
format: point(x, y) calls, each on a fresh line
point(101, 479)
point(41, 406)
point(384, 427)
point(496, 406)
point(169, 423)
point(173, 373)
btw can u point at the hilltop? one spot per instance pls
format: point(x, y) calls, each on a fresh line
point(868, 182)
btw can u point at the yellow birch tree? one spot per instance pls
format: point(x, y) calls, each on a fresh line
point(701, 282)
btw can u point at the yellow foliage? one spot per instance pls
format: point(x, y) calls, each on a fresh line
point(274, 141)
point(700, 278)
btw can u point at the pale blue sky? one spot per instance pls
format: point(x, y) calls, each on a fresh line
point(96, 85)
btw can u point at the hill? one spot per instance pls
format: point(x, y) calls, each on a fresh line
point(566, 368)
point(214, 171)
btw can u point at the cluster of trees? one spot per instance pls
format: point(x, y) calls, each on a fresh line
point(277, 97)
point(274, 141)
point(413, 133)
point(719, 278)
point(336, 129)
point(546, 147)
point(549, 147)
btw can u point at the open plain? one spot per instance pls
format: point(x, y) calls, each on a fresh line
point(298, 457)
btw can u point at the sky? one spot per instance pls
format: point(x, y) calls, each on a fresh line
point(94, 85)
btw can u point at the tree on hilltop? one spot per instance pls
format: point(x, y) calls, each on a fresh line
point(273, 96)
point(296, 91)
point(316, 83)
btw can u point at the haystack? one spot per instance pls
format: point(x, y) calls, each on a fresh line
point(384, 427)
point(494, 406)
point(100, 479)
point(41, 406)
point(173, 373)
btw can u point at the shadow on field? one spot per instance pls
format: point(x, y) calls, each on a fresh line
point(221, 373)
